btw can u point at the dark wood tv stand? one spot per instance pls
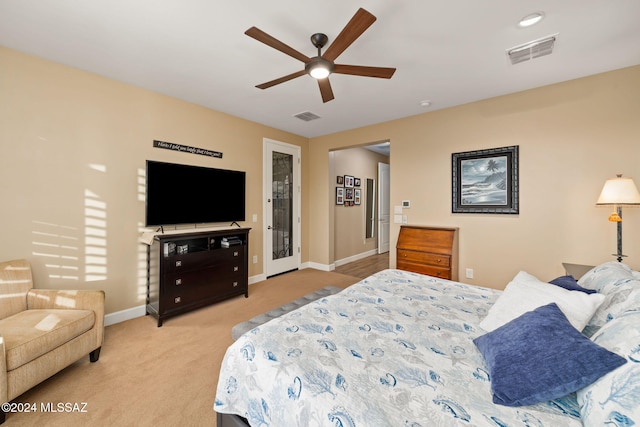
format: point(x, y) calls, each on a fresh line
point(186, 271)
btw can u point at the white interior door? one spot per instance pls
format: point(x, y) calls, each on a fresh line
point(383, 207)
point(281, 207)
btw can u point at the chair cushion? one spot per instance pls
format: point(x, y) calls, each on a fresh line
point(32, 333)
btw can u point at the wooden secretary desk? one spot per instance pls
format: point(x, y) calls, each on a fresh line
point(428, 250)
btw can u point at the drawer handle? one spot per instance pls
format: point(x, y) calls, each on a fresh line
point(236, 253)
point(235, 268)
point(178, 282)
point(235, 284)
point(179, 263)
point(177, 300)
point(438, 260)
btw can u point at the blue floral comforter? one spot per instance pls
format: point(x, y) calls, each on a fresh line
point(392, 350)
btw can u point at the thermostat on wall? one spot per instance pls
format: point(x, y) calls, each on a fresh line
point(406, 204)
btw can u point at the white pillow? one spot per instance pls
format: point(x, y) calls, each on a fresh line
point(526, 293)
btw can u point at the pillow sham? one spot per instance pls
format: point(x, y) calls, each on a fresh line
point(525, 293)
point(571, 284)
point(613, 399)
point(540, 356)
point(605, 275)
point(621, 287)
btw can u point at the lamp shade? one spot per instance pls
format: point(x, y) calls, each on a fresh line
point(619, 191)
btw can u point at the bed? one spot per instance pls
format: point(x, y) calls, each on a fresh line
point(404, 349)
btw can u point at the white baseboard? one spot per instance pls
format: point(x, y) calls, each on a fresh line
point(258, 278)
point(357, 257)
point(317, 266)
point(128, 314)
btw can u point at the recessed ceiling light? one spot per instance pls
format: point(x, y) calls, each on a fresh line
point(425, 103)
point(531, 19)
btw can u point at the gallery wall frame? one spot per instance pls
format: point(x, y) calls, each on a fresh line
point(485, 181)
point(349, 181)
point(348, 194)
point(339, 195)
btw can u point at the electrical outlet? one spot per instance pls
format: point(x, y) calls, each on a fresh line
point(255, 259)
point(469, 273)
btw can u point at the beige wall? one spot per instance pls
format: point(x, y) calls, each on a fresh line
point(74, 146)
point(349, 221)
point(572, 137)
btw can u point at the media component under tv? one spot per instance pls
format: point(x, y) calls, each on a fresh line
point(186, 194)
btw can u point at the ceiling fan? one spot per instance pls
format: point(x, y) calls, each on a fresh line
point(321, 66)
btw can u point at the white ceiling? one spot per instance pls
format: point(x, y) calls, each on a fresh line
point(449, 52)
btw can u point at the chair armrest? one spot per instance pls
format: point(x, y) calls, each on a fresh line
point(3, 372)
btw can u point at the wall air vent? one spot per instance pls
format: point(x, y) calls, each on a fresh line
point(531, 50)
point(307, 116)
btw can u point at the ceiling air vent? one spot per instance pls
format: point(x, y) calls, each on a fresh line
point(534, 49)
point(307, 116)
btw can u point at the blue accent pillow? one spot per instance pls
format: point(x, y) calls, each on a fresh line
point(571, 284)
point(539, 356)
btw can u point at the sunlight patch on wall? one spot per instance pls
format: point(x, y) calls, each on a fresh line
point(142, 185)
point(96, 167)
point(95, 235)
point(59, 246)
point(143, 265)
point(143, 261)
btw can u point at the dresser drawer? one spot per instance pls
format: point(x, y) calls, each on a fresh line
point(428, 258)
point(442, 273)
point(205, 259)
point(211, 277)
point(195, 286)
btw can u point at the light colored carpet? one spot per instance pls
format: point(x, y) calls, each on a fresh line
point(150, 376)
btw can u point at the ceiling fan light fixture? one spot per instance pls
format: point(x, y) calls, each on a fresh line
point(531, 19)
point(319, 68)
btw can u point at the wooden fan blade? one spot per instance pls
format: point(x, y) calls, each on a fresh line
point(325, 89)
point(265, 38)
point(354, 29)
point(281, 79)
point(358, 70)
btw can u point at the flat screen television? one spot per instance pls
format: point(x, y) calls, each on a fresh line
point(185, 194)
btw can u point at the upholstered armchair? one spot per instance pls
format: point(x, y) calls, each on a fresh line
point(42, 331)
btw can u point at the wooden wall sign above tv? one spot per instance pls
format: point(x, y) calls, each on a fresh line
point(186, 149)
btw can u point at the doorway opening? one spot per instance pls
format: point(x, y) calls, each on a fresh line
point(360, 220)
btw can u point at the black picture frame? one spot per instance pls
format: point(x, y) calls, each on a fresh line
point(348, 194)
point(339, 195)
point(348, 181)
point(485, 181)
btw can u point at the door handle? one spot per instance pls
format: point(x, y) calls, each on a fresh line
point(268, 227)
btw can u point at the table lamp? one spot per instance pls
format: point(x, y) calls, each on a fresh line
point(618, 192)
